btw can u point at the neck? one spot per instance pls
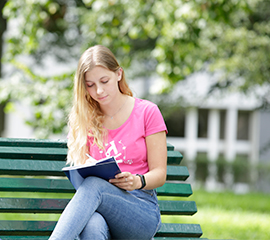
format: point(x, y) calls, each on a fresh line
point(115, 107)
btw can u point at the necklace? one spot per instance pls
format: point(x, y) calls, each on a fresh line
point(111, 116)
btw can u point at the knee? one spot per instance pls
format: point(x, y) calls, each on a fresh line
point(94, 182)
point(96, 228)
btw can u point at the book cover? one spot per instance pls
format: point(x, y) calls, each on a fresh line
point(105, 168)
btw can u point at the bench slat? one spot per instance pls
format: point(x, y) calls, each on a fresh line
point(43, 143)
point(174, 157)
point(32, 205)
point(175, 189)
point(177, 173)
point(45, 228)
point(177, 207)
point(39, 205)
point(27, 142)
point(33, 153)
point(31, 167)
point(53, 168)
point(180, 238)
point(35, 185)
point(26, 227)
point(64, 186)
point(179, 230)
point(24, 237)
point(46, 238)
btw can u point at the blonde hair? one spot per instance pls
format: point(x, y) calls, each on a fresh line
point(86, 118)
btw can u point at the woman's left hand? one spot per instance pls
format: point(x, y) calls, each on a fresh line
point(127, 181)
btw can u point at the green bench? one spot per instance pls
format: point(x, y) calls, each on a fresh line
point(31, 182)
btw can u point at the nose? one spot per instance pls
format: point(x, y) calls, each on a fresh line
point(99, 89)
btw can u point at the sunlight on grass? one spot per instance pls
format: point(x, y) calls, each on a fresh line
point(229, 216)
point(217, 223)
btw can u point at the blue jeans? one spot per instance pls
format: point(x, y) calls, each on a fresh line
point(99, 210)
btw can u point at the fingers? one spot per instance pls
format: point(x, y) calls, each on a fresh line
point(124, 180)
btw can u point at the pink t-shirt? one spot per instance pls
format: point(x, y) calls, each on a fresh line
point(127, 143)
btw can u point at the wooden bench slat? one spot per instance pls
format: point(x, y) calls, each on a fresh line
point(174, 157)
point(33, 153)
point(64, 186)
point(46, 238)
point(177, 207)
point(43, 143)
point(175, 189)
point(53, 168)
point(31, 167)
point(179, 230)
point(35, 185)
point(177, 173)
point(14, 228)
point(179, 238)
point(24, 237)
point(30, 142)
point(39, 205)
point(45, 228)
point(32, 205)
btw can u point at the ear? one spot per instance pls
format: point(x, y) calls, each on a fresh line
point(119, 74)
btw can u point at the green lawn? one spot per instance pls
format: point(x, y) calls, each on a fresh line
point(230, 216)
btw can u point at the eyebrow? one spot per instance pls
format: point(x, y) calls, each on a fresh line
point(99, 79)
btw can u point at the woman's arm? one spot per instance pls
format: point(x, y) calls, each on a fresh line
point(157, 161)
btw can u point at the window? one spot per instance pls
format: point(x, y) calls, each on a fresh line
point(222, 124)
point(203, 122)
point(176, 124)
point(243, 125)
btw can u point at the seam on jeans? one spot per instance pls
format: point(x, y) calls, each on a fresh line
point(159, 222)
point(147, 192)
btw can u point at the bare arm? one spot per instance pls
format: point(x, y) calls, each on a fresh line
point(157, 160)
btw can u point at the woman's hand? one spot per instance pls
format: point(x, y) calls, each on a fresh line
point(126, 181)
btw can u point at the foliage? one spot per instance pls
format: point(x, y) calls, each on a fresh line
point(173, 38)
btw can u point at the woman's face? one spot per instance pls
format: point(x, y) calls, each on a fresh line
point(102, 84)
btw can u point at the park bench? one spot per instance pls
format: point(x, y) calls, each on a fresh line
point(34, 190)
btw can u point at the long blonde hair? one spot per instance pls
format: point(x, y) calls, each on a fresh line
point(86, 118)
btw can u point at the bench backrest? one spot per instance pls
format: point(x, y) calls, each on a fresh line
point(34, 190)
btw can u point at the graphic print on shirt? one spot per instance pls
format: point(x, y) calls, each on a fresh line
point(117, 150)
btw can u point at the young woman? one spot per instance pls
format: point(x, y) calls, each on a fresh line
point(106, 120)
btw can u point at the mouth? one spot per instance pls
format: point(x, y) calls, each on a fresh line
point(102, 98)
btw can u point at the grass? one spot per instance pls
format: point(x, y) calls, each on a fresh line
point(229, 216)
point(221, 215)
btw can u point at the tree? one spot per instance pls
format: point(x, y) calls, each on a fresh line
point(3, 25)
point(173, 38)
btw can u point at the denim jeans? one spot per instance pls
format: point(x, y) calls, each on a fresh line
point(99, 210)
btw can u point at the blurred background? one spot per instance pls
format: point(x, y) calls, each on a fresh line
point(206, 63)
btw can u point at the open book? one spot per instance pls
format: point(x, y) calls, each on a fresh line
point(105, 168)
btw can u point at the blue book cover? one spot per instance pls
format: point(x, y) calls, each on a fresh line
point(105, 168)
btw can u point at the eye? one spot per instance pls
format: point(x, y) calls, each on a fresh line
point(104, 82)
point(90, 85)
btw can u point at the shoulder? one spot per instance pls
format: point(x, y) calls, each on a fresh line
point(145, 104)
point(146, 109)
